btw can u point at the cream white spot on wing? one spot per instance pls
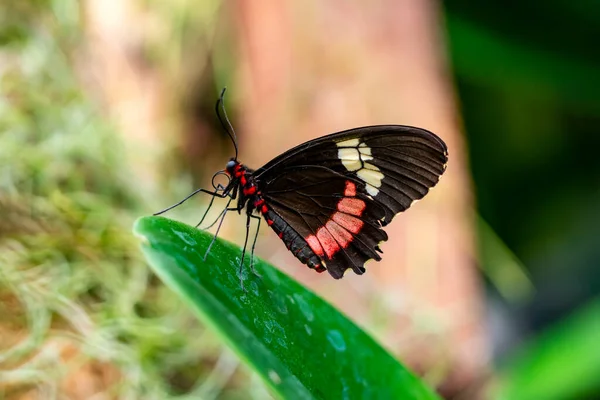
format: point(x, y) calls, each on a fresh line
point(350, 158)
point(348, 143)
point(365, 152)
point(354, 156)
point(372, 190)
point(372, 177)
point(373, 168)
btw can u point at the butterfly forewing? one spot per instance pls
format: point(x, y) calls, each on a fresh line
point(339, 190)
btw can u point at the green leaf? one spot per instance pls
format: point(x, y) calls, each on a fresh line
point(300, 345)
point(563, 363)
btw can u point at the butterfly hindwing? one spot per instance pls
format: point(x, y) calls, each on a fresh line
point(339, 190)
point(340, 224)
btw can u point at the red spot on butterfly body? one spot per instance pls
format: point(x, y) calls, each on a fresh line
point(236, 171)
point(249, 190)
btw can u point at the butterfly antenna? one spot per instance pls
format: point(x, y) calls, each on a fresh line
point(220, 108)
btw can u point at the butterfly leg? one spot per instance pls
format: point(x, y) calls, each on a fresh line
point(254, 245)
point(220, 219)
point(212, 200)
point(241, 268)
point(216, 193)
point(248, 221)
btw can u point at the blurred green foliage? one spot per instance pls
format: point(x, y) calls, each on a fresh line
point(528, 77)
point(562, 363)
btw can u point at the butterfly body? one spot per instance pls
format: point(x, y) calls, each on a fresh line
point(328, 199)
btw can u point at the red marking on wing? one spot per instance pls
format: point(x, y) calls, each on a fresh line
point(352, 206)
point(341, 236)
point(349, 222)
point(328, 242)
point(315, 245)
point(338, 230)
point(350, 189)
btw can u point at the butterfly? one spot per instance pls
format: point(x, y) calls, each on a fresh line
point(328, 199)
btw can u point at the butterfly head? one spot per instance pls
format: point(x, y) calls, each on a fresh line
point(232, 167)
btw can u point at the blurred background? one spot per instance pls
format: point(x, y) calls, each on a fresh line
point(489, 286)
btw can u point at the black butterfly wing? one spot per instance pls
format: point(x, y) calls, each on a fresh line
point(340, 224)
point(339, 190)
point(404, 161)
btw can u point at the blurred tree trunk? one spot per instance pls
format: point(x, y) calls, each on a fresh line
point(311, 68)
point(115, 69)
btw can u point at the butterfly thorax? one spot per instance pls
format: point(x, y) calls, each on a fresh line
point(247, 187)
